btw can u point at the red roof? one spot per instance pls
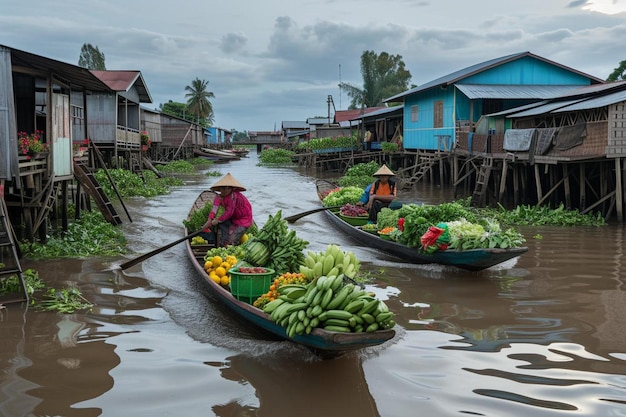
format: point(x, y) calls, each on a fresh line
point(117, 80)
point(124, 81)
point(345, 115)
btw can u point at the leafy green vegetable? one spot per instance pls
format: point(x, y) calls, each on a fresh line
point(343, 196)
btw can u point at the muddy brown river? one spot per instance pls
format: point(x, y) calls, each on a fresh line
point(542, 335)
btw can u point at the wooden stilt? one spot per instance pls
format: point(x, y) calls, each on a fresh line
point(568, 199)
point(619, 193)
point(505, 167)
point(538, 183)
point(583, 180)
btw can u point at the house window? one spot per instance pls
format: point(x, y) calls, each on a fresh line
point(78, 118)
point(414, 113)
point(438, 114)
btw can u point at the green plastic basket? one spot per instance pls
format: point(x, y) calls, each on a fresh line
point(248, 287)
point(354, 221)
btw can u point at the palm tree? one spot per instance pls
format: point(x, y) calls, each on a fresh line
point(384, 76)
point(198, 100)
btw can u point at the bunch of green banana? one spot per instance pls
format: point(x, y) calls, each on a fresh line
point(271, 232)
point(332, 262)
point(288, 255)
point(329, 304)
point(284, 247)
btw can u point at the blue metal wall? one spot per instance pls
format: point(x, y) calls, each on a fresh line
point(456, 106)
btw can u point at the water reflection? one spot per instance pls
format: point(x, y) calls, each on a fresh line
point(293, 388)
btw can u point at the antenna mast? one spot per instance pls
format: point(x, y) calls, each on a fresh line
point(340, 86)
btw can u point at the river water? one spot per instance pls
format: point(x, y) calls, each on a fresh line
point(542, 335)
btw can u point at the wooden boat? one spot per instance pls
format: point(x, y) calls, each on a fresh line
point(472, 260)
point(242, 152)
point(221, 153)
point(325, 344)
point(209, 156)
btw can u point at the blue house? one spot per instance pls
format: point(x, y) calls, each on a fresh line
point(217, 135)
point(436, 111)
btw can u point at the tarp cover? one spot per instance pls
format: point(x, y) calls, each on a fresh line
point(518, 140)
point(544, 140)
point(570, 136)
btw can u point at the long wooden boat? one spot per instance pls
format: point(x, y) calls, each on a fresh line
point(325, 344)
point(472, 260)
point(220, 153)
point(209, 156)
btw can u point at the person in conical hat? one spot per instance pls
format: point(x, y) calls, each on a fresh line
point(236, 218)
point(228, 181)
point(382, 192)
point(384, 171)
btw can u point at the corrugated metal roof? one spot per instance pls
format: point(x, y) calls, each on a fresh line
point(546, 108)
point(457, 76)
point(594, 103)
point(381, 112)
point(474, 91)
point(78, 77)
point(592, 89)
point(518, 109)
point(294, 125)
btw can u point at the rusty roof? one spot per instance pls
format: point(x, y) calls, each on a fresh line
point(352, 114)
point(123, 81)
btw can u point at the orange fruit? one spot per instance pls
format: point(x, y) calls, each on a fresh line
point(214, 277)
point(208, 265)
point(225, 280)
point(220, 271)
point(217, 261)
point(226, 265)
point(231, 260)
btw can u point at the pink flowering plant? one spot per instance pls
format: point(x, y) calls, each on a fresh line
point(145, 138)
point(31, 142)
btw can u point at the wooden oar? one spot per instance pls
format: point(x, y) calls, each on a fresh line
point(142, 258)
point(295, 217)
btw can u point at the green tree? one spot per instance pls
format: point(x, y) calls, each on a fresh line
point(91, 58)
point(239, 136)
point(174, 109)
point(198, 102)
point(384, 76)
point(618, 73)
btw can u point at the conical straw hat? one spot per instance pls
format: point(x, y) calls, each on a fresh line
point(384, 171)
point(228, 181)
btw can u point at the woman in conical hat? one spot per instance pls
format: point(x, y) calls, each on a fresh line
point(228, 181)
point(237, 215)
point(382, 192)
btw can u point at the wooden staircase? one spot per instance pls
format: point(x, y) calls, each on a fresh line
point(9, 257)
point(87, 180)
point(479, 197)
point(424, 165)
point(48, 200)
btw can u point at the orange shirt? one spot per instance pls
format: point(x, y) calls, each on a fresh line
point(383, 189)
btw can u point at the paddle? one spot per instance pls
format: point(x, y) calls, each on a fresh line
point(295, 217)
point(142, 258)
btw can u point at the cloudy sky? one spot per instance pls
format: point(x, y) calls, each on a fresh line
point(274, 60)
